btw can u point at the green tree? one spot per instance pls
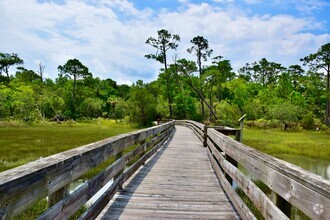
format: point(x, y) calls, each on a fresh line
point(215, 76)
point(186, 69)
point(7, 60)
point(163, 43)
point(285, 86)
point(296, 73)
point(24, 103)
point(202, 51)
point(185, 106)
point(313, 91)
point(285, 112)
point(263, 72)
point(91, 107)
point(321, 61)
point(75, 69)
point(26, 76)
point(121, 109)
point(142, 104)
point(5, 101)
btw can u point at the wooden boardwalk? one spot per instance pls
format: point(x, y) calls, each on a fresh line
point(178, 182)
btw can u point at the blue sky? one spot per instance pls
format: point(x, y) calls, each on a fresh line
point(108, 35)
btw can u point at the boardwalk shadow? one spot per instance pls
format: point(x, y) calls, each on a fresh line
point(124, 195)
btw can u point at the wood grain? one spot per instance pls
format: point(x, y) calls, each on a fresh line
point(307, 191)
point(177, 183)
point(22, 186)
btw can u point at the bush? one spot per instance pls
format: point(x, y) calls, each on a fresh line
point(308, 122)
point(263, 123)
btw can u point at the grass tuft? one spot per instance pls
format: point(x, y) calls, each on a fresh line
point(22, 144)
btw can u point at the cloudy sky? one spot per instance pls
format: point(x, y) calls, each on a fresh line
point(108, 36)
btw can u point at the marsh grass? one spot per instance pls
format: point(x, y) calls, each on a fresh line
point(38, 208)
point(312, 144)
point(20, 144)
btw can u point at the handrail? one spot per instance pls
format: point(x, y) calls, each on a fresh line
point(21, 187)
point(292, 185)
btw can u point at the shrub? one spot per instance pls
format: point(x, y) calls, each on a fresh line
point(308, 122)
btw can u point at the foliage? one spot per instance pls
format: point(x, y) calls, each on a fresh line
point(91, 107)
point(321, 61)
point(201, 50)
point(74, 68)
point(7, 60)
point(142, 105)
point(163, 43)
point(42, 140)
point(262, 90)
point(185, 106)
point(284, 112)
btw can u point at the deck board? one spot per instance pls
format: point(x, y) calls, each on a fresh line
point(176, 183)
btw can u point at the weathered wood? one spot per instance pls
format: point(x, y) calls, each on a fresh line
point(234, 163)
point(57, 196)
point(197, 127)
point(259, 199)
point(205, 136)
point(240, 206)
point(177, 182)
point(97, 207)
point(241, 125)
point(65, 208)
point(290, 182)
point(22, 186)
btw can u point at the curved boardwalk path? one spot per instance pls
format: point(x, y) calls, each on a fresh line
point(176, 183)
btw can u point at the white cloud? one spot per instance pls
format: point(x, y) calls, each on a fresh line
point(224, 1)
point(108, 36)
point(306, 6)
point(253, 1)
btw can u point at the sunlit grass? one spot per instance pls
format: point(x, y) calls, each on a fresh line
point(20, 144)
point(312, 144)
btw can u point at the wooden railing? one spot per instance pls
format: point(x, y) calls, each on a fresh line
point(291, 185)
point(49, 177)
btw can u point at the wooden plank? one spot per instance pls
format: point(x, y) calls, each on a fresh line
point(97, 207)
point(240, 206)
point(73, 202)
point(289, 181)
point(178, 181)
point(22, 186)
point(267, 208)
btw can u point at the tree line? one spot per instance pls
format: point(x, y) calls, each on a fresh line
point(269, 93)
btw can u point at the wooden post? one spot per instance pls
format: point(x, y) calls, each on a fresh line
point(238, 136)
point(205, 136)
point(283, 205)
point(241, 124)
point(58, 196)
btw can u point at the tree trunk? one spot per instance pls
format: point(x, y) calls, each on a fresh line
point(199, 62)
point(327, 117)
point(285, 125)
point(169, 98)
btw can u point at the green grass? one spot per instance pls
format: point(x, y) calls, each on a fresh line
point(302, 144)
point(20, 144)
point(311, 144)
point(38, 208)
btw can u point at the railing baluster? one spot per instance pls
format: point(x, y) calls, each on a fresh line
point(58, 195)
point(283, 205)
